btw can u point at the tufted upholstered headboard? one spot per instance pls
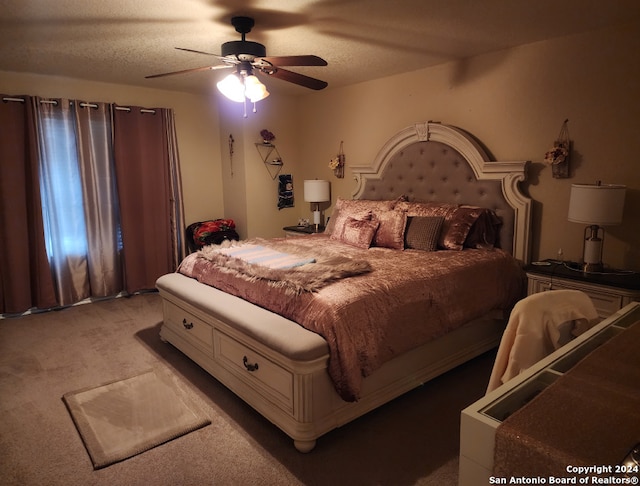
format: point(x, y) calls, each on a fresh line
point(434, 162)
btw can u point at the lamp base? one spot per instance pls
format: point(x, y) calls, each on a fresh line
point(317, 217)
point(592, 249)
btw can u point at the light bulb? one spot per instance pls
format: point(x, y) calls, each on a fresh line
point(232, 88)
point(254, 89)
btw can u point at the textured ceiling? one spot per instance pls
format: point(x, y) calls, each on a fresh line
point(122, 41)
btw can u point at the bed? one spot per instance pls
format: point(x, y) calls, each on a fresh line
point(312, 348)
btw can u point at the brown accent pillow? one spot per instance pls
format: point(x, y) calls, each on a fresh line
point(356, 208)
point(485, 232)
point(423, 232)
point(357, 232)
point(390, 233)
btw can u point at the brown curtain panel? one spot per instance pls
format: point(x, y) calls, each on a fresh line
point(25, 276)
point(144, 191)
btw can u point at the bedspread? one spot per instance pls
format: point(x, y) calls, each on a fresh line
point(406, 299)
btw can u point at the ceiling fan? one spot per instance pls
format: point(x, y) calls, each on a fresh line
point(249, 57)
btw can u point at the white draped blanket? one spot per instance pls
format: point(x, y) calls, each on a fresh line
point(264, 256)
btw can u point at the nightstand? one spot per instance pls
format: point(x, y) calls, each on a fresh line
point(301, 230)
point(610, 290)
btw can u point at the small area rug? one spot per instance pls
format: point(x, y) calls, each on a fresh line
point(121, 419)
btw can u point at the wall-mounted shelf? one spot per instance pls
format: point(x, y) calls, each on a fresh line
point(271, 158)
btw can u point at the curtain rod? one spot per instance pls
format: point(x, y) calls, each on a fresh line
point(21, 100)
point(84, 105)
point(142, 110)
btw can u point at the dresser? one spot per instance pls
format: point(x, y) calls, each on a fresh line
point(479, 422)
point(610, 290)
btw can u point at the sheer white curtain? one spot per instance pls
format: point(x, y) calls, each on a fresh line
point(101, 208)
point(80, 208)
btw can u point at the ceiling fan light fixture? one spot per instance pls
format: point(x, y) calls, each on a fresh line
point(247, 56)
point(232, 87)
point(254, 89)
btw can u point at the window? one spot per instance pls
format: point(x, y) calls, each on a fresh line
point(61, 189)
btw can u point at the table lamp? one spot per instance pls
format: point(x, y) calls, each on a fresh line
point(316, 192)
point(595, 205)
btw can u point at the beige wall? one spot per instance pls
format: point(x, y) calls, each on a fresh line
point(514, 102)
point(251, 192)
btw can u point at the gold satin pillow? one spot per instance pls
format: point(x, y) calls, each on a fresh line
point(457, 227)
point(356, 232)
point(390, 233)
point(357, 209)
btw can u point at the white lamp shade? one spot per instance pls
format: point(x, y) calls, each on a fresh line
point(595, 204)
point(316, 191)
point(232, 87)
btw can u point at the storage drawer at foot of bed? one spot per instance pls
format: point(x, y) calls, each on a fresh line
point(273, 381)
point(189, 327)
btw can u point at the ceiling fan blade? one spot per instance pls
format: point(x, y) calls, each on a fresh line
point(295, 60)
point(185, 71)
point(201, 52)
point(296, 78)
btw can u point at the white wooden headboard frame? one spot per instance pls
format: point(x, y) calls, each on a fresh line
point(433, 172)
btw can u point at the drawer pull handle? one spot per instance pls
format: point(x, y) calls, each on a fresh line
point(187, 325)
point(249, 366)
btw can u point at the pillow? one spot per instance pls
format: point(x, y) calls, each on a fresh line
point(433, 209)
point(390, 233)
point(458, 225)
point(485, 232)
point(423, 232)
point(356, 208)
point(414, 208)
point(356, 232)
point(365, 204)
point(340, 217)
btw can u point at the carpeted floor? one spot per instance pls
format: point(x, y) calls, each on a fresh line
point(412, 440)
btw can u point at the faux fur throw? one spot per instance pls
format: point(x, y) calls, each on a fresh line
point(328, 266)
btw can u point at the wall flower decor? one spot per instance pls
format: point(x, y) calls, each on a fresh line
point(558, 155)
point(267, 136)
point(337, 163)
